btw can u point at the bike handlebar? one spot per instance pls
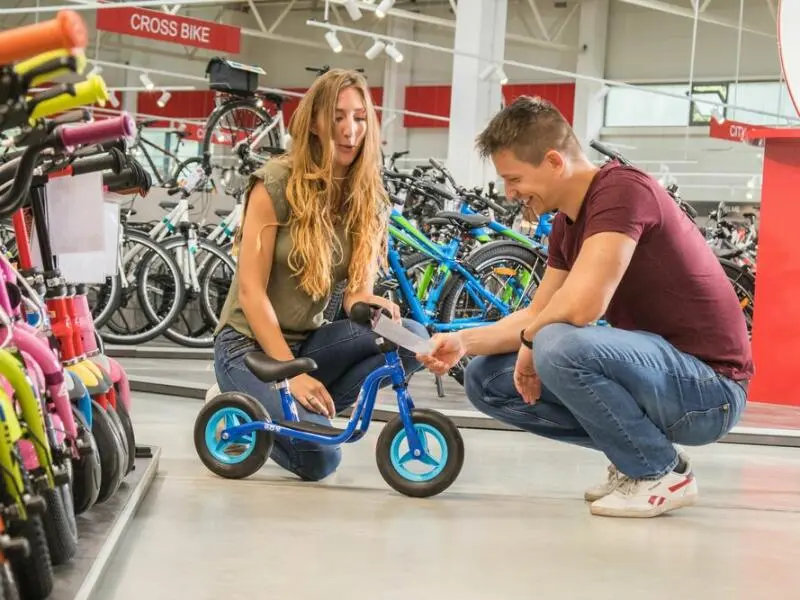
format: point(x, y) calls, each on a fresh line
point(98, 132)
point(88, 92)
point(67, 30)
point(113, 160)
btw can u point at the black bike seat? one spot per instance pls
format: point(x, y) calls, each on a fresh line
point(750, 214)
point(270, 370)
point(276, 99)
point(222, 213)
point(166, 205)
point(464, 221)
point(729, 253)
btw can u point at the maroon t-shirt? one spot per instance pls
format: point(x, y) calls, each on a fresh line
point(674, 286)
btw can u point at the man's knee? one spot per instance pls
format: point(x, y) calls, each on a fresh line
point(319, 463)
point(560, 345)
point(486, 380)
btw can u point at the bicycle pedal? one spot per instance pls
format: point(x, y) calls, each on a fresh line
point(308, 427)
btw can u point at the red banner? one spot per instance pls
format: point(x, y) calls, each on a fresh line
point(155, 25)
point(734, 131)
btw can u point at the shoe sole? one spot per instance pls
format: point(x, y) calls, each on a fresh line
point(683, 502)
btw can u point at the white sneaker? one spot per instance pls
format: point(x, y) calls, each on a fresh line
point(604, 489)
point(648, 498)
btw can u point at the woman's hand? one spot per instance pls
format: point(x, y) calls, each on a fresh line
point(392, 308)
point(312, 395)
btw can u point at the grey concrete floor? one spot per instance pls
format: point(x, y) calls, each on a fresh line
point(514, 525)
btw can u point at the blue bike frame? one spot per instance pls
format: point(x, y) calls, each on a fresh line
point(360, 419)
point(445, 257)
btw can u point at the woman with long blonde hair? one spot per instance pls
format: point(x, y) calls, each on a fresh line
point(314, 218)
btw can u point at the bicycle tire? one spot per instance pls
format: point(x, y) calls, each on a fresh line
point(218, 255)
point(159, 325)
point(110, 294)
point(493, 251)
point(228, 107)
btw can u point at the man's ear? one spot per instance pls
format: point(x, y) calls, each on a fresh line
point(555, 160)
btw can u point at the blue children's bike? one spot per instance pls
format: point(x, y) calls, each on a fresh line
point(410, 439)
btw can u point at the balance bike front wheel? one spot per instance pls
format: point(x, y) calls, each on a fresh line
point(239, 457)
point(433, 471)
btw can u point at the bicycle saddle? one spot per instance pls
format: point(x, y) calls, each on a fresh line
point(464, 221)
point(222, 213)
point(270, 370)
point(276, 99)
point(166, 205)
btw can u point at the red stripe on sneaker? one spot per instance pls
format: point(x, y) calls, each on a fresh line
point(686, 481)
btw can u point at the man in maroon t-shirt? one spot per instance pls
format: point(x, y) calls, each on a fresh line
point(674, 366)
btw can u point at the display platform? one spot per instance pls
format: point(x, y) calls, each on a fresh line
point(762, 424)
point(100, 530)
point(159, 351)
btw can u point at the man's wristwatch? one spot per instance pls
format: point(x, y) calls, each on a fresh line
point(525, 342)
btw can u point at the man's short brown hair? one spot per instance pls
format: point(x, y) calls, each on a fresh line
point(529, 127)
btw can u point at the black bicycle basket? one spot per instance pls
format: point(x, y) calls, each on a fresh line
point(229, 76)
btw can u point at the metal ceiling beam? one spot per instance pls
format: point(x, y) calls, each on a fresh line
point(538, 16)
point(451, 24)
point(689, 14)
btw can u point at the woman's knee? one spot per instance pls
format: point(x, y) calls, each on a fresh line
point(318, 463)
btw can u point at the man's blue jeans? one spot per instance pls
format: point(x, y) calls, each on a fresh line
point(629, 394)
point(345, 354)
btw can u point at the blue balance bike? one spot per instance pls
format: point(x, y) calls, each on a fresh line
point(421, 438)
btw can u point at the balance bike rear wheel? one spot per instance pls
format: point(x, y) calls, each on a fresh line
point(251, 451)
point(393, 454)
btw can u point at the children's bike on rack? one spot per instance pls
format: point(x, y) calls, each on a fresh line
point(410, 437)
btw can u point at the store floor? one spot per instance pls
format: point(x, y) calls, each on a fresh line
point(514, 526)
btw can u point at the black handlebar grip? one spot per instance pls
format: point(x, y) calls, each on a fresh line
point(107, 161)
point(361, 313)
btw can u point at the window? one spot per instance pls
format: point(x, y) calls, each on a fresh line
point(701, 112)
point(627, 107)
point(766, 96)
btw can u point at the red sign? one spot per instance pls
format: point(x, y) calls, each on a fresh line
point(734, 131)
point(154, 25)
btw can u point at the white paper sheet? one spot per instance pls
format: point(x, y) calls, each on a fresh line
point(395, 332)
point(74, 206)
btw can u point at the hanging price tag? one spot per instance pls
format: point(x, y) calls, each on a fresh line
point(75, 213)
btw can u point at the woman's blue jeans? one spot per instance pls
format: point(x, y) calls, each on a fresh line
point(629, 394)
point(345, 353)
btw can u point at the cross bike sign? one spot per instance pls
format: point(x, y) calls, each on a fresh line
point(173, 29)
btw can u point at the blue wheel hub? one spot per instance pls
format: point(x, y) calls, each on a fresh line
point(403, 458)
point(234, 450)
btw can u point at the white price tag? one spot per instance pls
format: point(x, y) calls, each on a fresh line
point(74, 213)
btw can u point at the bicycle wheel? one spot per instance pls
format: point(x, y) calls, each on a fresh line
point(194, 325)
point(104, 299)
point(744, 285)
point(235, 122)
point(509, 271)
point(161, 285)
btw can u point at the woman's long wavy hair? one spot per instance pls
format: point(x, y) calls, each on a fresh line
point(317, 200)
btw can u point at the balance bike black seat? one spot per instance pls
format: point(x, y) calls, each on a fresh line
point(270, 370)
point(222, 213)
point(463, 221)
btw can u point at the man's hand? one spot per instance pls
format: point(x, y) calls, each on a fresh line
point(446, 351)
point(526, 380)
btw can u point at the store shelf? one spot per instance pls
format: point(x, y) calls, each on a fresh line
point(100, 530)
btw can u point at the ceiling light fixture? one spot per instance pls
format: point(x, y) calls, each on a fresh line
point(351, 6)
point(394, 53)
point(375, 49)
point(383, 8)
point(333, 41)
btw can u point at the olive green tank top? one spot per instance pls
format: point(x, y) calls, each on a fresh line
point(298, 313)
